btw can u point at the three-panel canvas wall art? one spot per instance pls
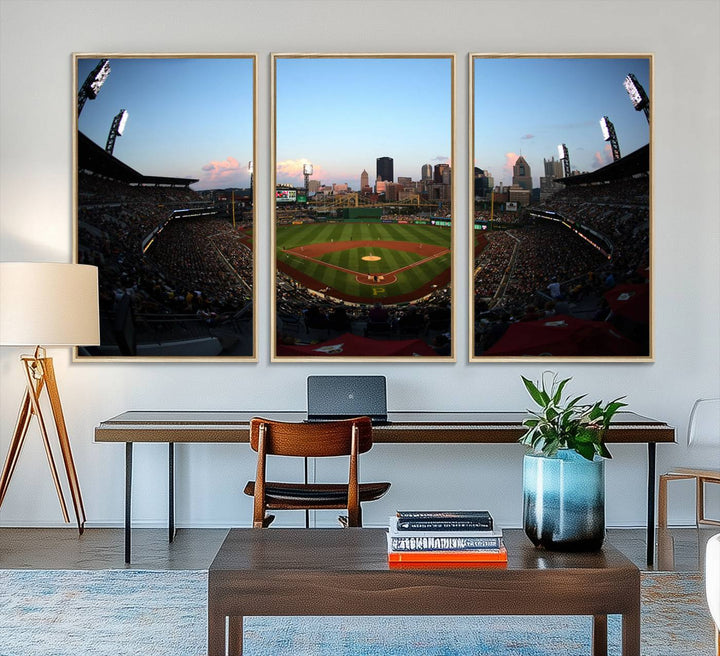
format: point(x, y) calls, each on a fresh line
point(370, 249)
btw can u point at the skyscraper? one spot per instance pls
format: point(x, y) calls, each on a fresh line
point(426, 174)
point(553, 168)
point(521, 174)
point(442, 173)
point(364, 180)
point(385, 169)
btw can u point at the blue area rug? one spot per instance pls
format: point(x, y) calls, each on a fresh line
point(129, 612)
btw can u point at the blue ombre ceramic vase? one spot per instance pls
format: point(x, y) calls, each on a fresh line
point(564, 501)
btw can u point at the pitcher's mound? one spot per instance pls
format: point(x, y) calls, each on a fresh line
point(371, 258)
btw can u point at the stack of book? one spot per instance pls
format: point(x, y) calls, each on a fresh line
point(438, 537)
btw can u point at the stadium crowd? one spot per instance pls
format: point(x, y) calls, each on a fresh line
point(200, 268)
point(305, 315)
point(542, 268)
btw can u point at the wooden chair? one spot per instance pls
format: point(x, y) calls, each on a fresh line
point(349, 437)
point(703, 429)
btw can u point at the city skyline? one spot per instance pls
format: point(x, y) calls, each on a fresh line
point(371, 178)
point(341, 113)
point(188, 117)
point(536, 103)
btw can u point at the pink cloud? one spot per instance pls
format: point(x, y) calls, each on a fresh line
point(222, 170)
point(510, 159)
point(603, 158)
point(291, 170)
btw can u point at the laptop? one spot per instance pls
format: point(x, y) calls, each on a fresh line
point(330, 398)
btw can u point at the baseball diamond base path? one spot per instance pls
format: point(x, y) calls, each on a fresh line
point(314, 251)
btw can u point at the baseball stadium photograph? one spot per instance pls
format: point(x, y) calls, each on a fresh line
point(363, 223)
point(560, 241)
point(164, 152)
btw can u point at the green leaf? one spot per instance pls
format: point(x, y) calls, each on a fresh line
point(587, 451)
point(534, 392)
point(558, 393)
point(575, 401)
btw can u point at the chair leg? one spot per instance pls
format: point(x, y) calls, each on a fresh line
point(662, 501)
point(354, 517)
point(699, 501)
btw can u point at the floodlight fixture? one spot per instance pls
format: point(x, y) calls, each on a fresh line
point(605, 128)
point(122, 122)
point(637, 94)
point(608, 132)
point(116, 130)
point(91, 87)
point(565, 159)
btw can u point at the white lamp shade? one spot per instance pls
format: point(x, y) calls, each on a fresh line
point(48, 304)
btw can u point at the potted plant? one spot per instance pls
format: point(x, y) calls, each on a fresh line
point(564, 468)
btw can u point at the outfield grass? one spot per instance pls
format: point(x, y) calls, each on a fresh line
point(408, 281)
point(314, 233)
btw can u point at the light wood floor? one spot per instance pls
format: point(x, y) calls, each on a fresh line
point(680, 549)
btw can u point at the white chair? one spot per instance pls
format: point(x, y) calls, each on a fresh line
point(712, 584)
point(703, 430)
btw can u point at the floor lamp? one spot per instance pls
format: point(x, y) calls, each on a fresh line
point(47, 304)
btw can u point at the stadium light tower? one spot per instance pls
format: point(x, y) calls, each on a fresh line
point(93, 82)
point(307, 172)
point(565, 159)
point(637, 94)
point(116, 130)
point(608, 132)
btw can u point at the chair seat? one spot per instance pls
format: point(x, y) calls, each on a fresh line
point(691, 472)
point(328, 495)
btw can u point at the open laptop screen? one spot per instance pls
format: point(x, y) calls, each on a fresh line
point(341, 397)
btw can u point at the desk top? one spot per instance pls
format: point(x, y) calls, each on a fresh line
point(211, 426)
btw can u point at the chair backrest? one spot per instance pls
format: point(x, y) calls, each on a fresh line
point(704, 423)
point(312, 439)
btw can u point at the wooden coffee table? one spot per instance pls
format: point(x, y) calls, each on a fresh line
point(279, 572)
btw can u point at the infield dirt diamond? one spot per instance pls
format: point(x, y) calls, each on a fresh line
point(424, 252)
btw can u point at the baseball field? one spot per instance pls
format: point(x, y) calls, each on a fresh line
point(363, 262)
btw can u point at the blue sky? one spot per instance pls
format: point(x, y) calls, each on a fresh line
point(530, 105)
point(187, 117)
point(340, 114)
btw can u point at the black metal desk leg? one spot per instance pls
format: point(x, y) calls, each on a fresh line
point(128, 497)
point(651, 505)
point(307, 512)
point(171, 491)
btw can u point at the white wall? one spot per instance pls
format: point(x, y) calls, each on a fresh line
point(37, 40)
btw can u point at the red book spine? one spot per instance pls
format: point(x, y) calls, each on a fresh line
point(484, 556)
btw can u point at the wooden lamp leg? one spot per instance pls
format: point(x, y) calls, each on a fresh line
point(15, 444)
point(64, 440)
point(39, 374)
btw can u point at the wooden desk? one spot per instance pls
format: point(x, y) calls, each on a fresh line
point(345, 572)
point(206, 426)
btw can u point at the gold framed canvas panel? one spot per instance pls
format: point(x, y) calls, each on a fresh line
point(166, 209)
point(353, 278)
point(560, 271)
